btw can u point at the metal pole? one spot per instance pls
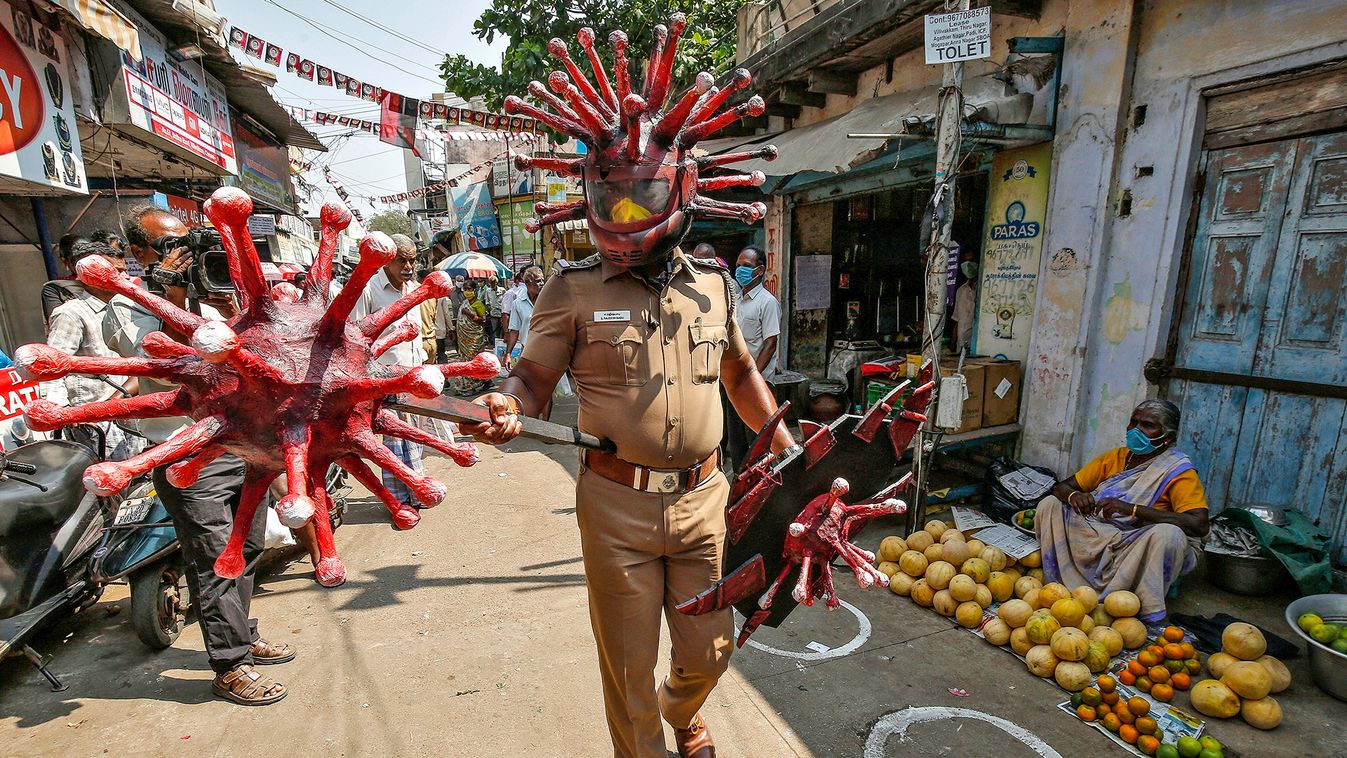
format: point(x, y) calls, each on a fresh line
point(948, 120)
point(44, 237)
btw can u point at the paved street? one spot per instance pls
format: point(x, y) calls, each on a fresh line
point(469, 637)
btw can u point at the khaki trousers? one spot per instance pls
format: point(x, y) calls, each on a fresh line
point(645, 553)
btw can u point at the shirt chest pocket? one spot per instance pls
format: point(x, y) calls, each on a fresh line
point(708, 347)
point(618, 354)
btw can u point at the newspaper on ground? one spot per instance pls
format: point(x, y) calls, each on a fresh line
point(968, 519)
point(1015, 543)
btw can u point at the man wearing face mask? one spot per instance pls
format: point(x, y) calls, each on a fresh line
point(759, 319)
point(1129, 519)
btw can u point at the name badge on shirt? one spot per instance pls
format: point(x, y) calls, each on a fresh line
point(606, 316)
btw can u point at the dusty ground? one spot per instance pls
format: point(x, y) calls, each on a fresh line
point(469, 637)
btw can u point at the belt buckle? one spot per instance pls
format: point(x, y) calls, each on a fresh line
point(668, 484)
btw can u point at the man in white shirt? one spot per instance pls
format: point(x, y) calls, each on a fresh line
point(759, 318)
point(521, 309)
point(203, 514)
point(392, 282)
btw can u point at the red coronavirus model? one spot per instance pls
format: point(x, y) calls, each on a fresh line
point(290, 385)
point(640, 178)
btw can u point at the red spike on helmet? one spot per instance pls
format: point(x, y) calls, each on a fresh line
point(641, 182)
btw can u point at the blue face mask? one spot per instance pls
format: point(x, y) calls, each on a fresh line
point(744, 275)
point(1139, 443)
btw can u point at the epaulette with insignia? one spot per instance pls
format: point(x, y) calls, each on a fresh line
point(587, 263)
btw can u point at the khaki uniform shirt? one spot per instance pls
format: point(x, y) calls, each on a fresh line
point(646, 361)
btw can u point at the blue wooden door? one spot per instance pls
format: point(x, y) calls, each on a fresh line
point(1262, 340)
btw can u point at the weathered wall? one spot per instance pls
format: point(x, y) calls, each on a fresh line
point(1114, 248)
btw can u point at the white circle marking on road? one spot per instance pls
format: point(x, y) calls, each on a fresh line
point(861, 636)
point(897, 723)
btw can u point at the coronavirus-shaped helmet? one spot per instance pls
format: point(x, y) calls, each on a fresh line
point(641, 181)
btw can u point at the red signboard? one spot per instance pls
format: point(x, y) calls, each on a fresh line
point(15, 394)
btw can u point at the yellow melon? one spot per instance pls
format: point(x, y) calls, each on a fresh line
point(953, 534)
point(1248, 679)
point(976, 568)
point(968, 614)
point(921, 593)
point(935, 528)
point(1001, 585)
point(1012, 572)
point(1132, 630)
point(1041, 626)
point(963, 588)
point(1052, 592)
point(1277, 671)
point(913, 563)
point(1031, 597)
point(1087, 597)
point(1264, 713)
point(1243, 641)
point(938, 575)
point(934, 552)
point(1122, 604)
point(919, 540)
point(1041, 661)
point(1068, 610)
point(887, 568)
point(891, 547)
point(1108, 637)
point(1015, 613)
point(1211, 698)
point(984, 596)
point(1072, 676)
point(955, 552)
point(944, 603)
point(1036, 573)
point(1086, 624)
point(1101, 617)
point(1217, 663)
point(994, 556)
point(1025, 584)
point(1032, 560)
point(1069, 644)
point(1096, 657)
point(997, 632)
point(901, 584)
point(975, 547)
point(1019, 641)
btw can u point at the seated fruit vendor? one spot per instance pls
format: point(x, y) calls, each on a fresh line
point(1134, 516)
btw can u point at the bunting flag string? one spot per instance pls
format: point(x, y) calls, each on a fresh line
point(323, 118)
point(437, 186)
point(341, 193)
point(428, 110)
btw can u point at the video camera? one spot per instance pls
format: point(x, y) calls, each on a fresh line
point(209, 271)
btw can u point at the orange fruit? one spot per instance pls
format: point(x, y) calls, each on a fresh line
point(1188, 650)
point(1124, 715)
point(1157, 647)
point(1158, 674)
point(1127, 678)
point(1112, 723)
point(1136, 668)
point(1148, 744)
point(1086, 713)
point(1129, 734)
point(1105, 683)
point(1148, 658)
point(1091, 696)
point(1181, 681)
point(1138, 706)
point(1174, 666)
point(1111, 698)
point(1162, 692)
point(1174, 652)
point(1144, 683)
point(1193, 666)
point(1173, 634)
point(1147, 725)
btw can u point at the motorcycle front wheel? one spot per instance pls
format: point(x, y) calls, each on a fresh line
point(156, 604)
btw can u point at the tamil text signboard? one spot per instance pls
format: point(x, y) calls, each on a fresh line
point(960, 36)
point(38, 139)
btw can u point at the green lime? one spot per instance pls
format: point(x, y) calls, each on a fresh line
point(1324, 633)
point(1031, 512)
point(1209, 742)
point(1209, 753)
point(1308, 621)
point(1167, 751)
point(1340, 645)
point(1189, 747)
point(1077, 699)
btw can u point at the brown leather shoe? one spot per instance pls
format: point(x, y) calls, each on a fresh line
point(267, 654)
point(695, 741)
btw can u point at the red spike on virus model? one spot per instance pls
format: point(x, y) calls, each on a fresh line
point(641, 181)
point(290, 385)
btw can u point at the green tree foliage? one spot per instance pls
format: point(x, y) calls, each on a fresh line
point(392, 222)
point(707, 45)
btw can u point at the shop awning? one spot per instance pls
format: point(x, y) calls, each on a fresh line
point(104, 20)
point(825, 147)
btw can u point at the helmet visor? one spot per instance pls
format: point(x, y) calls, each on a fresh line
point(631, 199)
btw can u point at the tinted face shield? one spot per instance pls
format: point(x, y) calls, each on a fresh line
point(632, 198)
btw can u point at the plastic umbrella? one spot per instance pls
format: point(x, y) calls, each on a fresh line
point(474, 265)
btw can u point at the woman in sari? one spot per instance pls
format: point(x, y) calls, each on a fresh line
point(469, 327)
point(1130, 519)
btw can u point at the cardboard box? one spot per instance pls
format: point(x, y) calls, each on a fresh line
point(975, 376)
point(1001, 395)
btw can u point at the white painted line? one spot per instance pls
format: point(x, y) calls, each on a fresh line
point(815, 653)
point(896, 724)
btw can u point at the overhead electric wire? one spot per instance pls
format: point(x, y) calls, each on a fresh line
point(356, 45)
point(381, 27)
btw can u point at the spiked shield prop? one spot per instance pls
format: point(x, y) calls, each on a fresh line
point(786, 512)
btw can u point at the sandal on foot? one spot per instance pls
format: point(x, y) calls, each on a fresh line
point(245, 686)
point(267, 654)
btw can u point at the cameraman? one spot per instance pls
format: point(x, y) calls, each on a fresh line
point(203, 513)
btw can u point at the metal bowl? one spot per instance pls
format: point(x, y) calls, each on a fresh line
point(1327, 666)
point(1242, 575)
